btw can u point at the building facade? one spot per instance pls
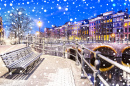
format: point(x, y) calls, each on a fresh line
point(127, 29)
point(92, 24)
point(107, 25)
point(99, 28)
point(118, 24)
point(84, 32)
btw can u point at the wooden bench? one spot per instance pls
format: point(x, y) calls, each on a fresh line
point(20, 59)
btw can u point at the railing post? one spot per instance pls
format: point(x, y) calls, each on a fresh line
point(55, 52)
point(97, 66)
point(64, 49)
point(82, 64)
point(77, 60)
point(43, 46)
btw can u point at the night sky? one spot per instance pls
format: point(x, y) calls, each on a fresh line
point(57, 12)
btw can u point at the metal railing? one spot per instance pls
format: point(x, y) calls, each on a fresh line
point(52, 48)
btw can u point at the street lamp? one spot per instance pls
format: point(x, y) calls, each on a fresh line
point(113, 35)
point(39, 24)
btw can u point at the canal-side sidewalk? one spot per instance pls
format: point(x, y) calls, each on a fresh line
point(50, 71)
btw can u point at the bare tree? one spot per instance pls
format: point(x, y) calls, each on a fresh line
point(19, 22)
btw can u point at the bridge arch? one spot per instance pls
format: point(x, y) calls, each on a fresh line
point(107, 51)
point(72, 51)
point(126, 56)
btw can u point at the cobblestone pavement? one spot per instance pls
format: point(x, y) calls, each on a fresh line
point(50, 71)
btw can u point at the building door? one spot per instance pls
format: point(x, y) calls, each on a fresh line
point(129, 37)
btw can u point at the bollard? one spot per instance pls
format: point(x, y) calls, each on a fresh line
point(97, 66)
point(82, 65)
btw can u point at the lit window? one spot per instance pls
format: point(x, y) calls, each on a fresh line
point(110, 20)
point(129, 23)
point(85, 32)
point(125, 24)
point(107, 21)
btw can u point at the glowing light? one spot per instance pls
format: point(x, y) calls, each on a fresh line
point(39, 24)
point(112, 35)
point(125, 24)
point(37, 33)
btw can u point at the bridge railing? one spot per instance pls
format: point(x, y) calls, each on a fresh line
point(96, 71)
point(98, 56)
point(58, 48)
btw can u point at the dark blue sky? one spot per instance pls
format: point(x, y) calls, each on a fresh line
point(57, 12)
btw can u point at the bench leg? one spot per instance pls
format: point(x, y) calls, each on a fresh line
point(26, 70)
point(38, 60)
point(9, 70)
point(33, 64)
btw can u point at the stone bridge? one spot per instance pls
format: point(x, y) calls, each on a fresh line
point(117, 52)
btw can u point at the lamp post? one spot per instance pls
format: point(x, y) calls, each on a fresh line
point(39, 24)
